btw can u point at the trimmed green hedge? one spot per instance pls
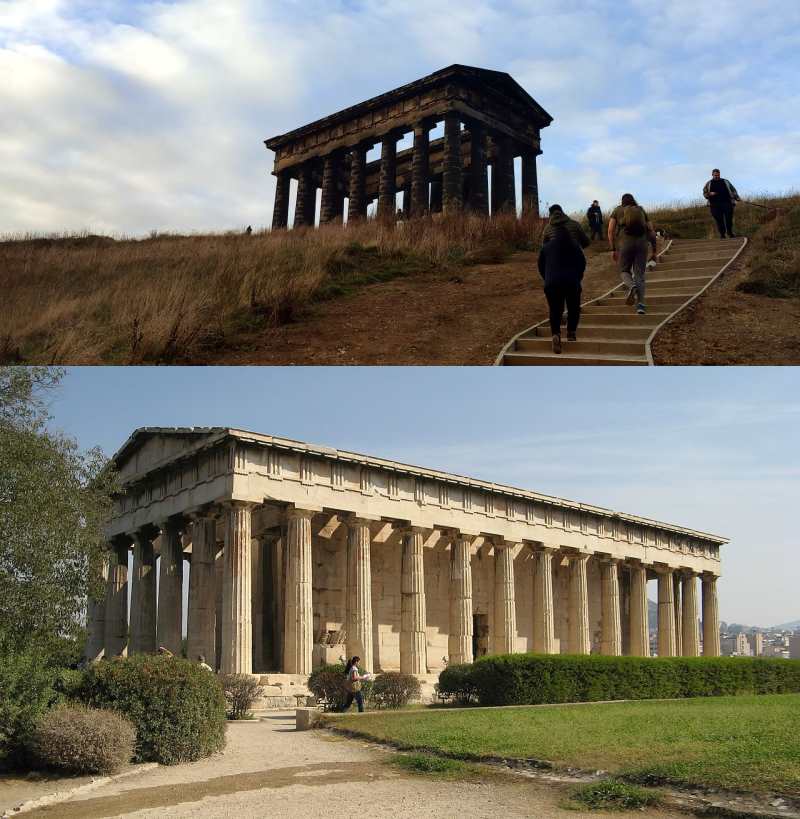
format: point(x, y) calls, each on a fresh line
point(177, 707)
point(530, 679)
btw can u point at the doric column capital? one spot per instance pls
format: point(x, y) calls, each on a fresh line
point(173, 524)
point(357, 519)
point(709, 577)
point(662, 569)
point(297, 513)
point(424, 125)
point(407, 527)
point(146, 534)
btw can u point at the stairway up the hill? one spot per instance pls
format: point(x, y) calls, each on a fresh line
point(611, 332)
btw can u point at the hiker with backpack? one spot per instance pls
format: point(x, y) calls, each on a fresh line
point(352, 684)
point(595, 218)
point(631, 235)
point(722, 198)
point(562, 265)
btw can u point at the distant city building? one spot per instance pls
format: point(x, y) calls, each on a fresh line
point(727, 645)
point(756, 644)
point(794, 647)
point(742, 645)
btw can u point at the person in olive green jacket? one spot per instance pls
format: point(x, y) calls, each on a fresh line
point(559, 219)
point(631, 235)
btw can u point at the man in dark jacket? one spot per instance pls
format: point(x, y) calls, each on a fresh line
point(561, 265)
point(560, 219)
point(722, 198)
point(595, 218)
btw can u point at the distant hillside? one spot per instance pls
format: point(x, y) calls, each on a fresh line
point(794, 625)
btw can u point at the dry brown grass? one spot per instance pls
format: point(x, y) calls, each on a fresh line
point(95, 300)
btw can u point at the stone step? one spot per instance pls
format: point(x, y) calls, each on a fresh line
point(698, 255)
point(606, 331)
point(627, 319)
point(693, 283)
point(582, 359)
point(682, 266)
point(668, 297)
point(582, 345)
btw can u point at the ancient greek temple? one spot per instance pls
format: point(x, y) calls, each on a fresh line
point(297, 554)
point(488, 118)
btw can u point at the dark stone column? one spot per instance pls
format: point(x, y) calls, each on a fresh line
point(331, 205)
point(451, 176)
point(280, 210)
point(478, 176)
point(306, 197)
point(436, 194)
point(504, 166)
point(530, 184)
point(387, 184)
point(406, 202)
point(420, 169)
point(357, 206)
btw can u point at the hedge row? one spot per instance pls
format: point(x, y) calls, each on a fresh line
point(529, 679)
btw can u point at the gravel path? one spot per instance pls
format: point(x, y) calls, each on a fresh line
point(270, 770)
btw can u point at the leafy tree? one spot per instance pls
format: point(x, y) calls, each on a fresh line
point(54, 501)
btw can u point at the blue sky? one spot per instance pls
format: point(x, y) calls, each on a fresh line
point(712, 449)
point(124, 117)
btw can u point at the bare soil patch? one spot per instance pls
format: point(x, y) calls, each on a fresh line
point(448, 318)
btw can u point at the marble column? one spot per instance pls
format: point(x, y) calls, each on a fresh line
point(357, 198)
point(504, 167)
point(143, 593)
point(452, 173)
point(676, 596)
point(331, 202)
point(420, 169)
point(280, 209)
point(202, 615)
point(640, 629)
point(530, 184)
point(611, 641)
point(170, 586)
point(710, 616)
point(299, 619)
point(544, 640)
point(459, 641)
point(579, 637)
point(219, 582)
point(274, 554)
point(96, 618)
point(691, 634)
point(478, 173)
point(306, 201)
point(359, 592)
point(387, 180)
point(257, 602)
point(505, 614)
point(666, 614)
point(237, 625)
point(413, 638)
point(407, 202)
point(116, 625)
point(436, 194)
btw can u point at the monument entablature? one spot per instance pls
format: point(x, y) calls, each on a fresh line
point(304, 541)
point(500, 121)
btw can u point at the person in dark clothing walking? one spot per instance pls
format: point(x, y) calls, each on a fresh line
point(722, 198)
point(562, 265)
point(352, 684)
point(595, 217)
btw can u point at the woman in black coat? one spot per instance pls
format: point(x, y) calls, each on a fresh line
point(562, 265)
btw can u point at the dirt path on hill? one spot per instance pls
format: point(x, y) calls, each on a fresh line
point(458, 317)
point(268, 769)
point(725, 326)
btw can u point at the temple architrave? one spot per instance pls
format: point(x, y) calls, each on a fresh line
point(489, 120)
point(298, 554)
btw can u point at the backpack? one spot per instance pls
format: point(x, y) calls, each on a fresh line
point(634, 221)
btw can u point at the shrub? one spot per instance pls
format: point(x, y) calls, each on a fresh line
point(456, 681)
point(83, 740)
point(68, 683)
point(529, 679)
point(394, 690)
point(26, 692)
point(241, 691)
point(178, 707)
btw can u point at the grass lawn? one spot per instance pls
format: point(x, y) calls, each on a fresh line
point(749, 743)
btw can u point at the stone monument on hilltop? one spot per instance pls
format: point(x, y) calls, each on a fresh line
point(297, 552)
point(489, 119)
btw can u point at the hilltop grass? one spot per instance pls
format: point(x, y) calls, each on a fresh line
point(166, 299)
point(747, 743)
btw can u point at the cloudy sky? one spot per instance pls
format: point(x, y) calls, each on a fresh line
point(715, 449)
point(127, 116)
